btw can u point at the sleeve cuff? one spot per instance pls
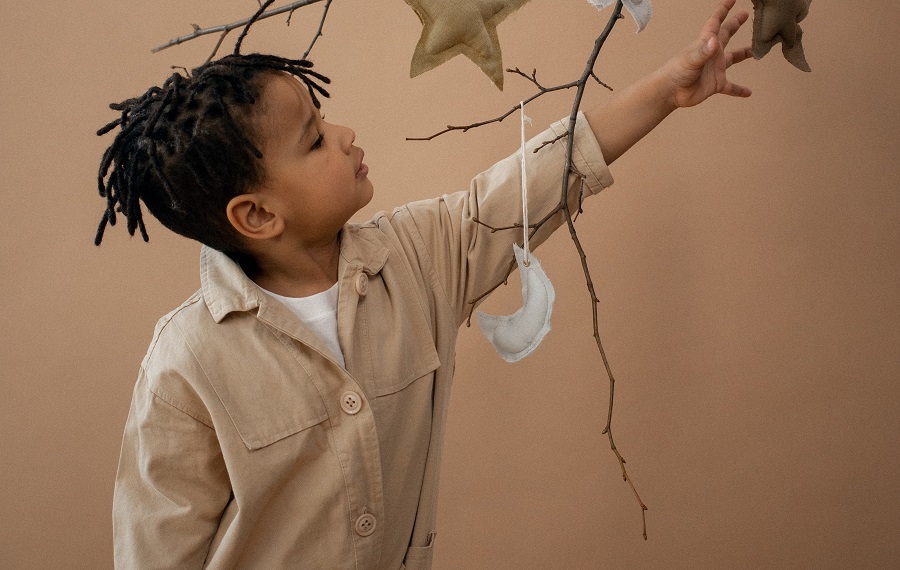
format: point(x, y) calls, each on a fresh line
point(586, 154)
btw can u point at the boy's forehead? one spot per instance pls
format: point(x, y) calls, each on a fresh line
point(286, 97)
point(288, 90)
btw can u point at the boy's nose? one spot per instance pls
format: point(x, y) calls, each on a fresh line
point(350, 137)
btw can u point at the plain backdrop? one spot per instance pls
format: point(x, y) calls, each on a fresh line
point(747, 261)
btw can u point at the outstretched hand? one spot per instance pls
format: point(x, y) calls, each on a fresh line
point(700, 71)
point(687, 79)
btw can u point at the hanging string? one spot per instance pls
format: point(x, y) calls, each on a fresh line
point(525, 228)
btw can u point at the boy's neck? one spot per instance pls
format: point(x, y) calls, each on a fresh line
point(298, 271)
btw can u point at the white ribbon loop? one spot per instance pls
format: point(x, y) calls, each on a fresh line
point(517, 335)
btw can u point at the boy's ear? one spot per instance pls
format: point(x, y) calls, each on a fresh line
point(249, 216)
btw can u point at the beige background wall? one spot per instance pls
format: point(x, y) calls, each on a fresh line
point(747, 260)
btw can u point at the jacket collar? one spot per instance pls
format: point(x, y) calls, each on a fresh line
point(226, 288)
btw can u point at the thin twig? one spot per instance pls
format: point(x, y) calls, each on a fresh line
point(464, 128)
point(515, 226)
point(534, 228)
point(215, 50)
point(495, 229)
point(225, 28)
point(541, 91)
point(551, 141)
point(319, 31)
point(597, 79)
point(532, 77)
point(476, 300)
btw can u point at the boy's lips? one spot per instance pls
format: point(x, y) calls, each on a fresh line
point(363, 170)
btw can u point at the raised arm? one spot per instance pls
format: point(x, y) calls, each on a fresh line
point(686, 80)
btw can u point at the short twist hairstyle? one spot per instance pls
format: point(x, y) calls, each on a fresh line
point(187, 148)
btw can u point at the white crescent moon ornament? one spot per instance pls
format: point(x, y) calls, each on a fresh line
point(516, 336)
point(640, 10)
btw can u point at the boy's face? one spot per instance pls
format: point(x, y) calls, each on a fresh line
point(313, 174)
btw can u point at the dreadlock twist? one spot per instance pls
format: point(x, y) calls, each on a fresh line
point(185, 149)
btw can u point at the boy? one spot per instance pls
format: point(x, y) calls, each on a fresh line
point(257, 439)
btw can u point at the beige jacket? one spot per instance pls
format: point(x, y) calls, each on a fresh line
point(248, 446)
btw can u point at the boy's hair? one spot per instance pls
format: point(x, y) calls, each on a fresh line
point(187, 148)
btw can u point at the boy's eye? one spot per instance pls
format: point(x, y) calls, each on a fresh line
point(318, 142)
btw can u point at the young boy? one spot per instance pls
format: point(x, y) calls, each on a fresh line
point(291, 413)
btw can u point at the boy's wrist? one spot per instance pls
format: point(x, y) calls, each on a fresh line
point(664, 87)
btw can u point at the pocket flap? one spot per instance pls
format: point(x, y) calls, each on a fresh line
point(397, 327)
point(267, 394)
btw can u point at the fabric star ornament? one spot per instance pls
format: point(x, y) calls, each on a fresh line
point(640, 10)
point(468, 27)
point(778, 21)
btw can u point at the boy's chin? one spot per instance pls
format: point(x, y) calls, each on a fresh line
point(368, 193)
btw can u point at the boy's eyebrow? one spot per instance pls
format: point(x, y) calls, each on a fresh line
point(307, 126)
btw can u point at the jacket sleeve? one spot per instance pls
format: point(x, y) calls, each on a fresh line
point(171, 486)
point(469, 258)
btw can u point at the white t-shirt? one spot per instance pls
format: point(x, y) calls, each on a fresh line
point(319, 313)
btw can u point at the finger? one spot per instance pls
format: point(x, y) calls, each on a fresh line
point(735, 90)
point(731, 26)
point(738, 56)
point(718, 16)
point(722, 10)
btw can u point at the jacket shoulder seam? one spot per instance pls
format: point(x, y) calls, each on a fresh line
point(422, 249)
point(167, 319)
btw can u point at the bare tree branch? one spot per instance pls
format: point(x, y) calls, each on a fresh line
point(563, 206)
point(224, 29)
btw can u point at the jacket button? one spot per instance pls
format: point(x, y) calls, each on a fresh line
point(365, 525)
point(362, 284)
point(351, 402)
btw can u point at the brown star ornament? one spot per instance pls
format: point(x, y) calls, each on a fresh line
point(777, 21)
point(468, 27)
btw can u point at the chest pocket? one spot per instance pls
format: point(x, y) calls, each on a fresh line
point(397, 331)
point(266, 392)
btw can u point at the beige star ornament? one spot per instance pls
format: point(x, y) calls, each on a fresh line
point(777, 21)
point(467, 27)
